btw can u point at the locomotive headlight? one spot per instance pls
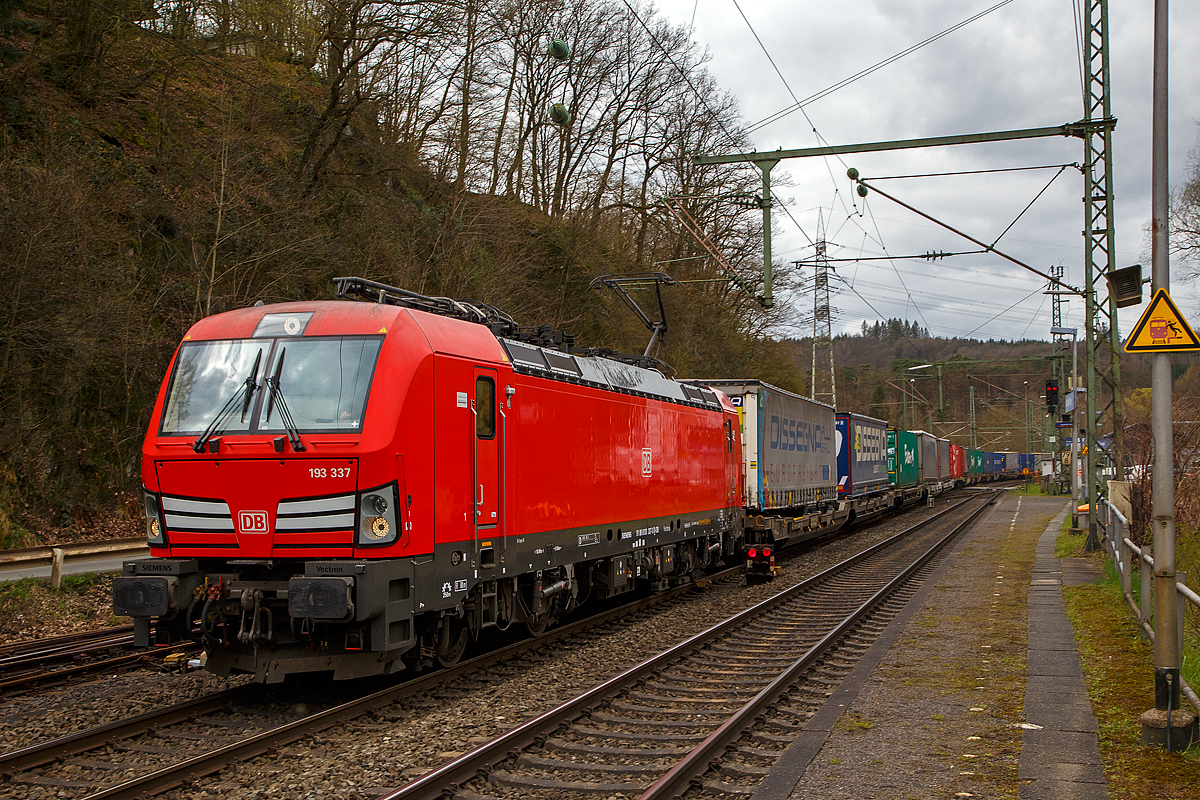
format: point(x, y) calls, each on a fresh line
point(155, 535)
point(376, 528)
point(378, 523)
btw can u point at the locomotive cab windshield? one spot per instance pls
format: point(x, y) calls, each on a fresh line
point(321, 382)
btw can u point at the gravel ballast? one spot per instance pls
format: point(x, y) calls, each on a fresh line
point(384, 750)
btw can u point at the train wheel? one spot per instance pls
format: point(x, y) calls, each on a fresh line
point(537, 623)
point(453, 636)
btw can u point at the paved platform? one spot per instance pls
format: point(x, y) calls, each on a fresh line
point(918, 742)
point(1061, 761)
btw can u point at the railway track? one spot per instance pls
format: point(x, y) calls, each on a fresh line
point(65, 658)
point(155, 751)
point(715, 711)
point(62, 645)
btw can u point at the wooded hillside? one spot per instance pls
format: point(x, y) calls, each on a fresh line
point(162, 161)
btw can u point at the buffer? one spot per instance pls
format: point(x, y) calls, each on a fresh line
point(1162, 329)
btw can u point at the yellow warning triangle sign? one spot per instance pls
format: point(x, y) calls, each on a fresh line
point(1162, 329)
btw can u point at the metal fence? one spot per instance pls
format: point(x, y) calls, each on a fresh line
point(1115, 528)
point(56, 557)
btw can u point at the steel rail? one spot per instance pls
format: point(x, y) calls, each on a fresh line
point(57, 644)
point(57, 749)
point(38, 755)
point(65, 651)
point(434, 785)
point(695, 763)
point(249, 747)
point(123, 661)
point(1122, 549)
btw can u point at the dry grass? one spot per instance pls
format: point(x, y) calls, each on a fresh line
point(1119, 669)
point(30, 609)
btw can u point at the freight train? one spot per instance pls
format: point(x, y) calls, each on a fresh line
point(356, 488)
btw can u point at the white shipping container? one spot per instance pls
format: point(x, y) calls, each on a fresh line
point(788, 447)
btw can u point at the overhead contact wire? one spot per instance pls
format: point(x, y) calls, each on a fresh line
point(874, 68)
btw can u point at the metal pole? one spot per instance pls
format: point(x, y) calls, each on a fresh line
point(1088, 413)
point(1126, 557)
point(941, 402)
point(1025, 400)
point(1075, 411)
point(1167, 655)
point(912, 390)
point(1100, 255)
point(1146, 590)
point(974, 429)
point(765, 167)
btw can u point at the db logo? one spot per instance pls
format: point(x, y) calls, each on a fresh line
point(646, 461)
point(253, 521)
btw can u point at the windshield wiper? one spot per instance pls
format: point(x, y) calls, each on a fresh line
point(244, 393)
point(276, 393)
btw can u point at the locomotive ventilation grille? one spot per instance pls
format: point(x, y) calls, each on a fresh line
point(200, 516)
point(315, 515)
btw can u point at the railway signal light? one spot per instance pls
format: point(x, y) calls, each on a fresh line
point(1052, 394)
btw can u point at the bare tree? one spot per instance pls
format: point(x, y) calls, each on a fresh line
point(1185, 221)
point(354, 32)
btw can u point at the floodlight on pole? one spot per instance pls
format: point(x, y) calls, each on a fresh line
point(941, 402)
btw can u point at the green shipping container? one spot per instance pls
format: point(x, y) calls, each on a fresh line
point(902, 458)
point(974, 462)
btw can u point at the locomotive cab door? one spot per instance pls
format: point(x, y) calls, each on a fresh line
point(488, 445)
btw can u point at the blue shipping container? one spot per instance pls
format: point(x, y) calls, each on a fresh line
point(861, 455)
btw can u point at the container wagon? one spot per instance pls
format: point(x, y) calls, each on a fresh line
point(903, 473)
point(862, 466)
point(958, 464)
point(975, 473)
point(927, 461)
point(861, 455)
point(789, 460)
point(943, 450)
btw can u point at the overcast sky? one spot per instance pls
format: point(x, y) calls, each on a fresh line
point(1017, 67)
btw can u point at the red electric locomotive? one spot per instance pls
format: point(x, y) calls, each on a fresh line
point(344, 487)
